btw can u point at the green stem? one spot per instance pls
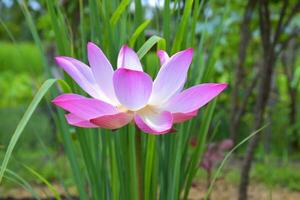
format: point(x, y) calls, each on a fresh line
point(149, 167)
point(138, 151)
point(134, 194)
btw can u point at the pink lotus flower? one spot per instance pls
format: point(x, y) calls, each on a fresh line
point(129, 94)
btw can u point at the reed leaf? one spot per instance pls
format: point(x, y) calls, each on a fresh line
point(23, 122)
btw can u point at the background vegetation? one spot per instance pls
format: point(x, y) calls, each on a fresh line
point(252, 45)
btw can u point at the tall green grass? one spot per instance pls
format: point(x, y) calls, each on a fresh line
point(128, 164)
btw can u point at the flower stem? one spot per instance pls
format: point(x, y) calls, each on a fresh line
point(138, 151)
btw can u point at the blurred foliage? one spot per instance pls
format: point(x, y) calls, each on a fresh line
point(17, 89)
point(39, 127)
point(37, 147)
point(21, 72)
point(20, 58)
point(278, 175)
point(13, 18)
point(271, 175)
point(53, 166)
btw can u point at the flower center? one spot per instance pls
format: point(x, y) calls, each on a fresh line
point(122, 108)
point(148, 109)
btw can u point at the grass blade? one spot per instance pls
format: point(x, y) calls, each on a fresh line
point(149, 165)
point(161, 43)
point(48, 184)
point(95, 20)
point(183, 25)
point(59, 27)
point(197, 154)
point(64, 86)
point(132, 163)
point(118, 12)
point(166, 21)
point(217, 174)
point(13, 177)
point(137, 32)
point(22, 124)
point(6, 29)
point(34, 33)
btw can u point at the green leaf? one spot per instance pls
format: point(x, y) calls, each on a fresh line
point(137, 32)
point(22, 124)
point(118, 12)
point(41, 178)
point(217, 174)
point(149, 165)
point(64, 86)
point(13, 177)
point(197, 153)
point(60, 27)
point(161, 44)
point(33, 29)
point(180, 34)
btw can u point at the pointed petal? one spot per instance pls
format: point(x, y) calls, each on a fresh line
point(132, 88)
point(193, 98)
point(129, 59)
point(163, 57)
point(153, 122)
point(113, 121)
point(82, 74)
point(102, 71)
point(171, 77)
point(81, 67)
point(77, 121)
point(181, 117)
point(83, 107)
